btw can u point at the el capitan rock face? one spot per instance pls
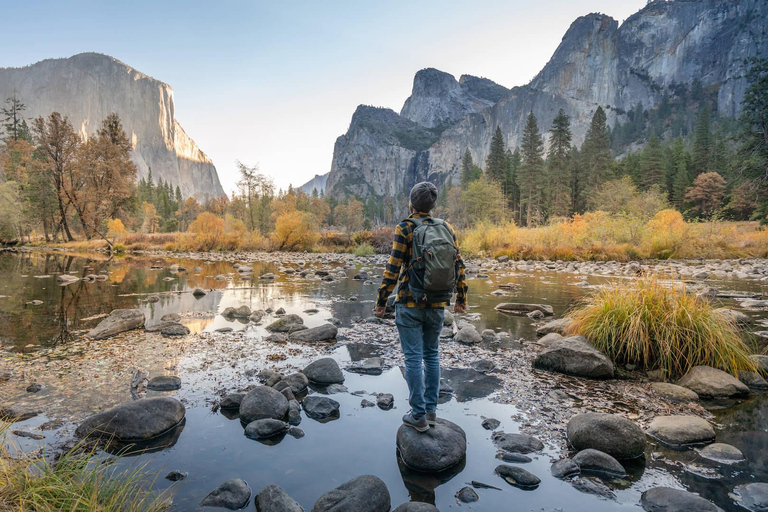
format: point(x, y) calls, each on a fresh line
point(598, 63)
point(87, 87)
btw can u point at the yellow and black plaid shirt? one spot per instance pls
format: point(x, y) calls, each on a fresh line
point(395, 272)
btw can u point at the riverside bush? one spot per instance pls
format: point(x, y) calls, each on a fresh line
point(656, 327)
point(603, 236)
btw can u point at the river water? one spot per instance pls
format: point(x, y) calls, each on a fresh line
point(212, 448)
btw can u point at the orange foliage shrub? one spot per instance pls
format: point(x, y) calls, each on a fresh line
point(295, 231)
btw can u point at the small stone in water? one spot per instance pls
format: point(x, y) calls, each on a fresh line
point(176, 476)
point(491, 424)
point(296, 432)
point(34, 388)
point(467, 495)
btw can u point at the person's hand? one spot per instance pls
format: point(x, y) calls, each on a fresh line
point(380, 311)
point(459, 308)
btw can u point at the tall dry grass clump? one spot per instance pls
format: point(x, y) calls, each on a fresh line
point(75, 482)
point(656, 327)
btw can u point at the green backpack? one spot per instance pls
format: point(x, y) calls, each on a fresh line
point(433, 270)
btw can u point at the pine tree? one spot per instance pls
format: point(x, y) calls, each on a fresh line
point(681, 180)
point(12, 117)
point(596, 157)
point(496, 163)
point(652, 170)
point(468, 169)
point(702, 143)
point(559, 194)
point(530, 175)
point(513, 166)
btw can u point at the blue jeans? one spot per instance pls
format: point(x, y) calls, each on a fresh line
point(419, 330)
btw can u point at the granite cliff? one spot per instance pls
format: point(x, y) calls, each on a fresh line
point(89, 86)
point(598, 63)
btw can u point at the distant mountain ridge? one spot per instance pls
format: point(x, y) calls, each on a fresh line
point(87, 87)
point(598, 63)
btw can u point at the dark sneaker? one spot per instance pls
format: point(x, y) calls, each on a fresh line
point(431, 418)
point(420, 425)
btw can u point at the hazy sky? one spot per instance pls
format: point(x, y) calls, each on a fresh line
point(275, 83)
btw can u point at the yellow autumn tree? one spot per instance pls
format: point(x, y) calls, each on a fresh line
point(295, 231)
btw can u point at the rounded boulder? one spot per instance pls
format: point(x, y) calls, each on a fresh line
point(609, 433)
point(435, 450)
point(263, 402)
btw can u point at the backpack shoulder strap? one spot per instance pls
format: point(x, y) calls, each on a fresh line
point(419, 221)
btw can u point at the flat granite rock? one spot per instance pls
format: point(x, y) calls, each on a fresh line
point(164, 383)
point(135, 421)
point(119, 320)
point(435, 450)
point(708, 382)
point(666, 499)
point(366, 493)
point(674, 393)
point(681, 430)
point(721, 452)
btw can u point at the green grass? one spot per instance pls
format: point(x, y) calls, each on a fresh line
point(75, 482)
point(656, 327)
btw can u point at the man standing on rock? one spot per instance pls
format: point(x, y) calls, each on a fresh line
point(426, 266)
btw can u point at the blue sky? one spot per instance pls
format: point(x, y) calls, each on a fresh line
point(275, 83)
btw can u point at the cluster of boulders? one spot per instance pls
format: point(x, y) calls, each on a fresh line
point(271, 410)
point(365, 493)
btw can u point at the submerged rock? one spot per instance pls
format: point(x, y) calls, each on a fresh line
point(135, 421)
point(521, 309)
point(435, 450)
point(681, 430)
point(233, 494)
point(721, 452)
point(369, 366)
point(467, 495)
point(708, 382)
point(119, 320)
point(575, 356)
point(164, 383)
point(365, 493)
point(274, 499)
point(416, 506)
point(666, 499)
point(263, 402)
point(753, 497)
point(610, 433)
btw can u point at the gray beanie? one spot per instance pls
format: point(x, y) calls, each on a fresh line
point(423, 196)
